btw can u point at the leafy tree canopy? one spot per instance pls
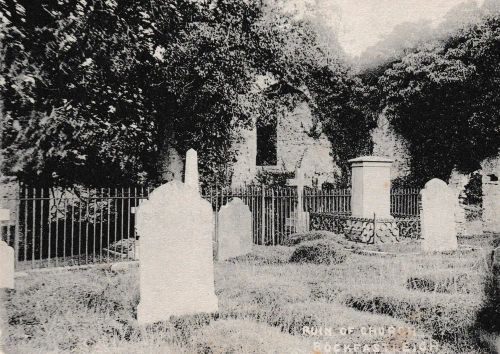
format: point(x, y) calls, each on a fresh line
point(444, 99)
point(93, 91)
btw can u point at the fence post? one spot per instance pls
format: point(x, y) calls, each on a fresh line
point(16, 229)
point(374, 228)
point(273, 218)
point(216, 221)
point(263, 215)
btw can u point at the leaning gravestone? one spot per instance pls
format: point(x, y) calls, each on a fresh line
point(438, 217)
point(176, 266)
point(235, 230)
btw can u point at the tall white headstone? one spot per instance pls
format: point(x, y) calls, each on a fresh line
point(235, 230)
point(176, 265)
point(6, 257)
point(438, 217)
point(191, 177)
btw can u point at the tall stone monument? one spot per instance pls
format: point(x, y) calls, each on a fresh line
point(438, 217)
point(191, 176)
point(176, 265)
point(235, 230)
point(371, 197)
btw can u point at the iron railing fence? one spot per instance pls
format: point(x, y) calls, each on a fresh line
point(77, 226)
point(274, 209)
point(405, 202)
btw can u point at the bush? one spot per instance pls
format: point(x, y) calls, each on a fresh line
point(319, 252)
point(295, 239)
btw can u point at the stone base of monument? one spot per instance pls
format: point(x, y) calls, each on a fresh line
point(361, 230)
point(298, 221)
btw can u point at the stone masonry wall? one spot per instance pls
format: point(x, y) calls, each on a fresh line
point(387, 143)
point(244, 169)
point(295, 148)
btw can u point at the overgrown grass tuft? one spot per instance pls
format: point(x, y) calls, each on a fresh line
point(319, 252)
point(295, 239)
point(265, 301)
point(443, 282)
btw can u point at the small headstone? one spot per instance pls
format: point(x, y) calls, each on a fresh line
point(4, 214)
point(191, 177)
point(235, 230)
point(437, 218)
point(176, 264)
point(6, 266)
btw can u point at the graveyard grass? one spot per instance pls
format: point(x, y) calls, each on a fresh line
point(264, 303)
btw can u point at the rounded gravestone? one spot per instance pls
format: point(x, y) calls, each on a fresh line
point(438, 218)
point(235, 230)
point(176, 265)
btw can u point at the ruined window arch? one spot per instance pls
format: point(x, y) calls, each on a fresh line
point(267, 147)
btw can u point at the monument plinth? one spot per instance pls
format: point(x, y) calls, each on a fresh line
point(371, 198)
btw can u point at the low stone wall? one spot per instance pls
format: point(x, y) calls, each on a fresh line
point(362, 229)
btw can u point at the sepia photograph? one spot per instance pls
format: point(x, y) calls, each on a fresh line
point(249, 176)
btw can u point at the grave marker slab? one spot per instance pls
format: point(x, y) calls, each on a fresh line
point(235, 230)
point(176, 264)
point(6, 266)
point(438, 217)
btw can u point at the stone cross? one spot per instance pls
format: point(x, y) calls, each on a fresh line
point(299, 181)
point(301, 218)
point(191, 177)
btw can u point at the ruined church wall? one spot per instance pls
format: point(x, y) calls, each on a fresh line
point(245, 149)
point(294, 147)
point(387, 143)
